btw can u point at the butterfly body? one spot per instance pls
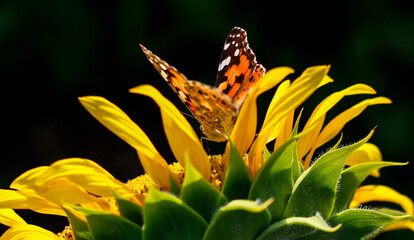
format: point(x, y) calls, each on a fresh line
point(213, 109)
point(216, 108)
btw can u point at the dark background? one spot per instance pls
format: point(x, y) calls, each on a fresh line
point(51, 52)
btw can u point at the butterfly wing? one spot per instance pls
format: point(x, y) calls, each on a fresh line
point(241, 96)
point(174, 78)
point(213, 109)
point(237, 66)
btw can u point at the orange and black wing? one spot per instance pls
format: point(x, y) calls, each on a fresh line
point(172, 76)
point(237, 65)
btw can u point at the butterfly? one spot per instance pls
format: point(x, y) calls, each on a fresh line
point(216, 108)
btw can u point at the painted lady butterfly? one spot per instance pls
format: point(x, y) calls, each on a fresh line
point(216, 108)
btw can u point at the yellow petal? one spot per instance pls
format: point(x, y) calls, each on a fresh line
point(284, 130)
point(121, 125)
point(55, 183)
point(62, 191)
point(281, 89)
point(28, 232)
point(335, 126)
point(366, 153)
point(306, 142)
point(296, 94)
point(10, 218)
point(27, 179)
point(244, 129)
point(28, 200)
point(381, 193)
point(325, 81)
point(183, 140)
point(401, 225)
point(85, 173)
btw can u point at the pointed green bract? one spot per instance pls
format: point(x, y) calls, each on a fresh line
point(296, 227)
point(275, 179)
point(167, 217)
point(107, 226)
point(239, 220)
point(129, 210)
point(237, 181)
point(358, 224)
point(277, 176)
point(174, 187)
point(352, 177)
point(200, 195)
point(79, 227)
point(318, 184)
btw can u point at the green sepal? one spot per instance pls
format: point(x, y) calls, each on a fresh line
point(296, 227)
point(239, 220)
point(107, 226)
point(352, 177)
point(358, 224)
point(129, 209)
point(200, 195)
point(277, 176)
point(237, 181)
point(396, 213)
point(315, 189)
point(167, 217)
point(174, 187)
point(79, 227)
point(266, 154)
point(297, 166)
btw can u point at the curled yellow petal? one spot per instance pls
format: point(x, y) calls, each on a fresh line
point(306, 142)
point(27, 180)
point(62, 191)
point(335, 126)
point(295, 95)
point(121, 125)
point(28, 232)
point(10, 218)
point(85, 173)
point(244, 129)
point(181, 136)
point(401, 225)
point(366, 153)
point(381, 193)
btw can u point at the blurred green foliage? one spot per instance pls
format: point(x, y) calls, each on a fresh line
point(51, 52)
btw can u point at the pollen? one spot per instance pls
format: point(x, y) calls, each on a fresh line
point(218, 170)
point(141, 184)
point(178, 170)
point(66, 234)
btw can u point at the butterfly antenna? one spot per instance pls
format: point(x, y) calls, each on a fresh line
point(188, 115)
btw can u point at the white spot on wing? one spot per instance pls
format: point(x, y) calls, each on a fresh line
point(226, 46)
point(224, 63)
point(236, 53)
point(163, 74)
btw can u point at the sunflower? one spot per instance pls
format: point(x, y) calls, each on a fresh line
point(265, 185)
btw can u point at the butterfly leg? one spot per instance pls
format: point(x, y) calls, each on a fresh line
point(206, 141)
